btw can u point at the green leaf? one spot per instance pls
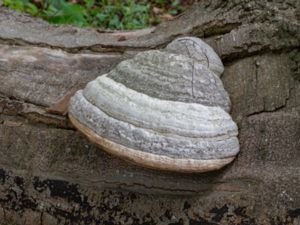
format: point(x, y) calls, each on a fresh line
point(116, 14)
point(173, 12)
point(32, 9)
point(89, 3)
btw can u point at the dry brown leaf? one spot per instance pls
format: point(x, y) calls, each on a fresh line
point(167, 17)
point(61, 106)
point(157, 10)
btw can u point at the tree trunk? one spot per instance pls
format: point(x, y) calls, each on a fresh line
point(51, 174)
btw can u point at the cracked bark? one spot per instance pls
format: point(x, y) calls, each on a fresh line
point(50, 174)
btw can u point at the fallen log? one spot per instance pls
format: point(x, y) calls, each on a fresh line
point(51, 174)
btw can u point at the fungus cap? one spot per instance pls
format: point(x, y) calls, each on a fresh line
point(162, 110)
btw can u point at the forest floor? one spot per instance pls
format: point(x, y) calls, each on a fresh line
point(106, 14)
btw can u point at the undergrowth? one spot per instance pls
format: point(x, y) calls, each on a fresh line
point(111, 14)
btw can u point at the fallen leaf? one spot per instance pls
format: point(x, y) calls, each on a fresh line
point(167, 17)
point(61, 106)
point(157, 10)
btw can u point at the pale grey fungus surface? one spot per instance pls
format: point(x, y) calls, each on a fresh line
point(198, 50)
point(173, 77)
point(162, 107)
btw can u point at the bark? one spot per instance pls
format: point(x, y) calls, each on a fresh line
point(50, 173)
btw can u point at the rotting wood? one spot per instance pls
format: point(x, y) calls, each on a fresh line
point(41, 154)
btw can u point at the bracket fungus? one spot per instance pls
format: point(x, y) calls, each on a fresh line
point(163, 109)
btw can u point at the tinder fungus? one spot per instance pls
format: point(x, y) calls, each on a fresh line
point(164, 109)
